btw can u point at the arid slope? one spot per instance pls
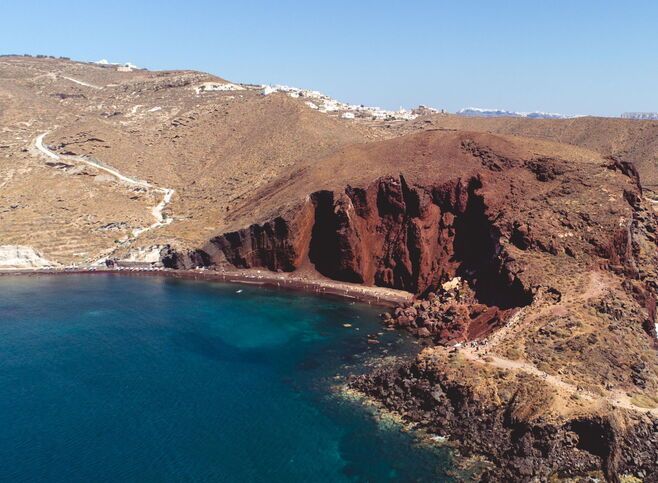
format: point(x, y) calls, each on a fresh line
point(211, 141)
point(630, 140)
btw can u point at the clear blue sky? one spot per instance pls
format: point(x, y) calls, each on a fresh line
point(575, 57)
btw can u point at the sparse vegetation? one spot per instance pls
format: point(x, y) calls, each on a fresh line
point(645, 401)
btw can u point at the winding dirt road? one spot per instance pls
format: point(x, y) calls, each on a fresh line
point(483, 355)
point(81, 83)
point(157, 211)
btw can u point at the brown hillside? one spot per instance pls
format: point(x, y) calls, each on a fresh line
point(631, 140)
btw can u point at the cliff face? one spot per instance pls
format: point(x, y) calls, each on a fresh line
point(509, 221)
point(539, 259)
point(279, 244)
point(389, 234)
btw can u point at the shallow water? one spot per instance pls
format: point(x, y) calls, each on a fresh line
point(106, 378)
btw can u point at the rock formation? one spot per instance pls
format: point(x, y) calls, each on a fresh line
point(544, 257)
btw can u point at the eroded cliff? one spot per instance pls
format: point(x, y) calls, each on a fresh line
point(389, 234)
point(539, 260)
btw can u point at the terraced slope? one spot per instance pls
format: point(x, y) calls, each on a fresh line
point(210, 141)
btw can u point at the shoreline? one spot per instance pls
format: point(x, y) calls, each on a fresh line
point(467, 468)
point(380, 296)
point(438, 407)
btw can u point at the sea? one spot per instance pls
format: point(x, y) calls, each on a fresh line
point(105, 377)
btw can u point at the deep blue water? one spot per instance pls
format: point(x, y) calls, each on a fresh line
point(107, 378)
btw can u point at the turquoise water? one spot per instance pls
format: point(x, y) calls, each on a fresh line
point(110, 378)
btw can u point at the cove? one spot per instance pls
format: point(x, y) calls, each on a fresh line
point(114, 378)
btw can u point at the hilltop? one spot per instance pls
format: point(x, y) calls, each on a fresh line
point(630, 140)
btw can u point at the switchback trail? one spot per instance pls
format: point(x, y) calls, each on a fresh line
point(595, 288)
point(157, 211)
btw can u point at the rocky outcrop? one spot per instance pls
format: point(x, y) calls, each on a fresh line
point(17, 257)
point(416, 236)
point(279, 245)
point(477, 230)
point(183, 259)
point(510, 426)
point(451, 314)
point(506, 218)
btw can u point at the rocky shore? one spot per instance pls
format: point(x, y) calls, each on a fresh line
point(507, 417)
point(504, 418)
point(452, 314)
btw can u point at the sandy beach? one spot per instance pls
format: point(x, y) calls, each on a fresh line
point(286, 281)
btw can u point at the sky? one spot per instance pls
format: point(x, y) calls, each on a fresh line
point(572, 57)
